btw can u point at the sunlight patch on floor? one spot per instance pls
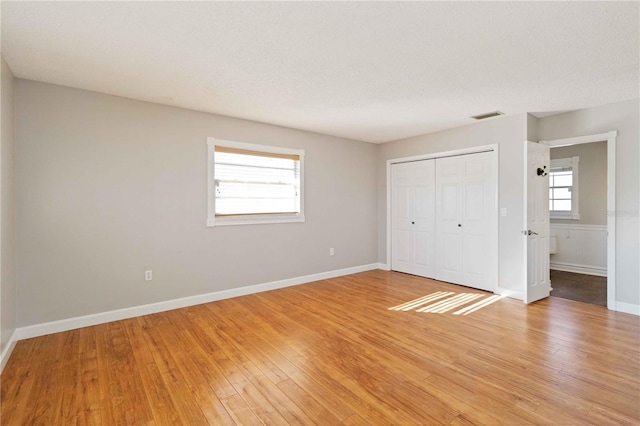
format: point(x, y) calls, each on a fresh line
point(441, 302)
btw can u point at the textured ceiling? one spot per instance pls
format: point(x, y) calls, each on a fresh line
point(372, 71)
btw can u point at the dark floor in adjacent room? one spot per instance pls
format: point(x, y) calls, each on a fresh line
point(579, 287)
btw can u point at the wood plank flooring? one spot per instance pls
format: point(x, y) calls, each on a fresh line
point(329, 353)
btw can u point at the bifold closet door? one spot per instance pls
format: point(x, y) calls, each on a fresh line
point(465, 220)
point(412, 217)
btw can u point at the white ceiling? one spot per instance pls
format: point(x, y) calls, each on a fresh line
point(371, 71)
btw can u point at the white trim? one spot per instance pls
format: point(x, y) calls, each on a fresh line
point(610, 137)
point(578, 269)
point(8, 349)
point(384, 266)
point(211, 142)
point(579, 227)
point(251, 219)
point(581, 139)
point(512, 294)
point(627, 308)
point(463, 151)
point(452, 153)
point(152, 308)
point(254, 219)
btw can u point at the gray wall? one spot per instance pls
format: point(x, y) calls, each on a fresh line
point(532, 128)
point(509, 132)
point(592, 181)
point(623, 117)
point(7, 211)
point(109, 187)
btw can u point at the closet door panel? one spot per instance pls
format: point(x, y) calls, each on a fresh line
point(401, 211)
point(479, 207)
point(465, 208)
point(412, 188)
point(424, 217)
point(449, 193)
point(423, 242)
point(450, 245)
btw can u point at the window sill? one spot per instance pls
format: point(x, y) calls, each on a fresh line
point(568, 216)
point(253, 220)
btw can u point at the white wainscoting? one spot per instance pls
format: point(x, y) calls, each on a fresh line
point(581, 249)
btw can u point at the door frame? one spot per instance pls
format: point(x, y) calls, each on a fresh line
point(494, 148)
point(610, 138)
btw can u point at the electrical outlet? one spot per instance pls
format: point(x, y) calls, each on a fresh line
point(331, 251)
point(148, 275)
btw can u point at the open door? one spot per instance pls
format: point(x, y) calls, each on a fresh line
point(536, 230)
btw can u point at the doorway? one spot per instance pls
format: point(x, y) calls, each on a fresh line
point(583, 230)
point(578, 213)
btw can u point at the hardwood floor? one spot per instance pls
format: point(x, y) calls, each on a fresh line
point(332, 352)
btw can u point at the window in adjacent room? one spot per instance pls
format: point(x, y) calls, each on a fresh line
point(250, 184)
point(563, 188)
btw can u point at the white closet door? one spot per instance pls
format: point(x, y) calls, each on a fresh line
point(465, 220)
point(412, 218)
point(449, 182)
point(401, 208)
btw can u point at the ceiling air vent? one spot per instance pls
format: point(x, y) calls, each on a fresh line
point(487, 115)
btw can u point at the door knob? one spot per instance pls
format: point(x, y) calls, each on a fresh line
point(412, 223)
point(459, 225)
point(530, 232)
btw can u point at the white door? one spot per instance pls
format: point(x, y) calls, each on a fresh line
point(466, 212)
point(536, 232)
point(412, 217)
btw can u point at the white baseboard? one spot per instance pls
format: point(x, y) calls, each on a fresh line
point(384, 266)
point(512, 294)
point(578, 269)
point(152, 308)
point(628, 308)
point(6, 352)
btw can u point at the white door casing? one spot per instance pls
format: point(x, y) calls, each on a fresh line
point(412, 220)
point(610, 138)
point(536, 224)
point(465, 220)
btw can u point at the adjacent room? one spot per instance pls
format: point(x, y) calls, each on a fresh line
point(320, 213)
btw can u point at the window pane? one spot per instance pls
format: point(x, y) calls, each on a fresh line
point(562, 205)
point(238, 173)
point(254, 190)
point(561, 193)
point(254, 184)
point(228, 206)
point(254, 160)
point(563, 179)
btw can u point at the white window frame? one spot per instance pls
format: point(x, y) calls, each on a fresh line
point(249, 219)
point(572, 162)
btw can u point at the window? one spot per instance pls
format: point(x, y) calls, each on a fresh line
point(563, 189)
point(250, 184)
